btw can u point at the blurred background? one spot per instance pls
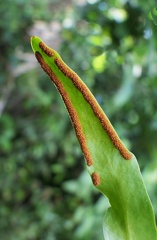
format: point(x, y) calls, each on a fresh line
point(45, 190)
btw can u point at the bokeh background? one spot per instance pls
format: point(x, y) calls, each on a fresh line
point(45, 190)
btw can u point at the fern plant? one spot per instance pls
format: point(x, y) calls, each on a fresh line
point(114, 170)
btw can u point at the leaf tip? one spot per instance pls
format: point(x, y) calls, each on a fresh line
point(35, 43)
point(48, 51)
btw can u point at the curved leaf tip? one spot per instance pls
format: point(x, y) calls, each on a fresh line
point(40, 48)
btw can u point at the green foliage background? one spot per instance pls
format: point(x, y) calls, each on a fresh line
point(45, 190)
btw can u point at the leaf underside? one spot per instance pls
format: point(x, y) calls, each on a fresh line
point(113, 169)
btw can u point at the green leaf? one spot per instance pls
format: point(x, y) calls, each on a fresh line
point(113, 169)
point(153, 10)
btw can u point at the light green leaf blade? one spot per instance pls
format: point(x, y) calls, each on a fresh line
point(113, 169)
